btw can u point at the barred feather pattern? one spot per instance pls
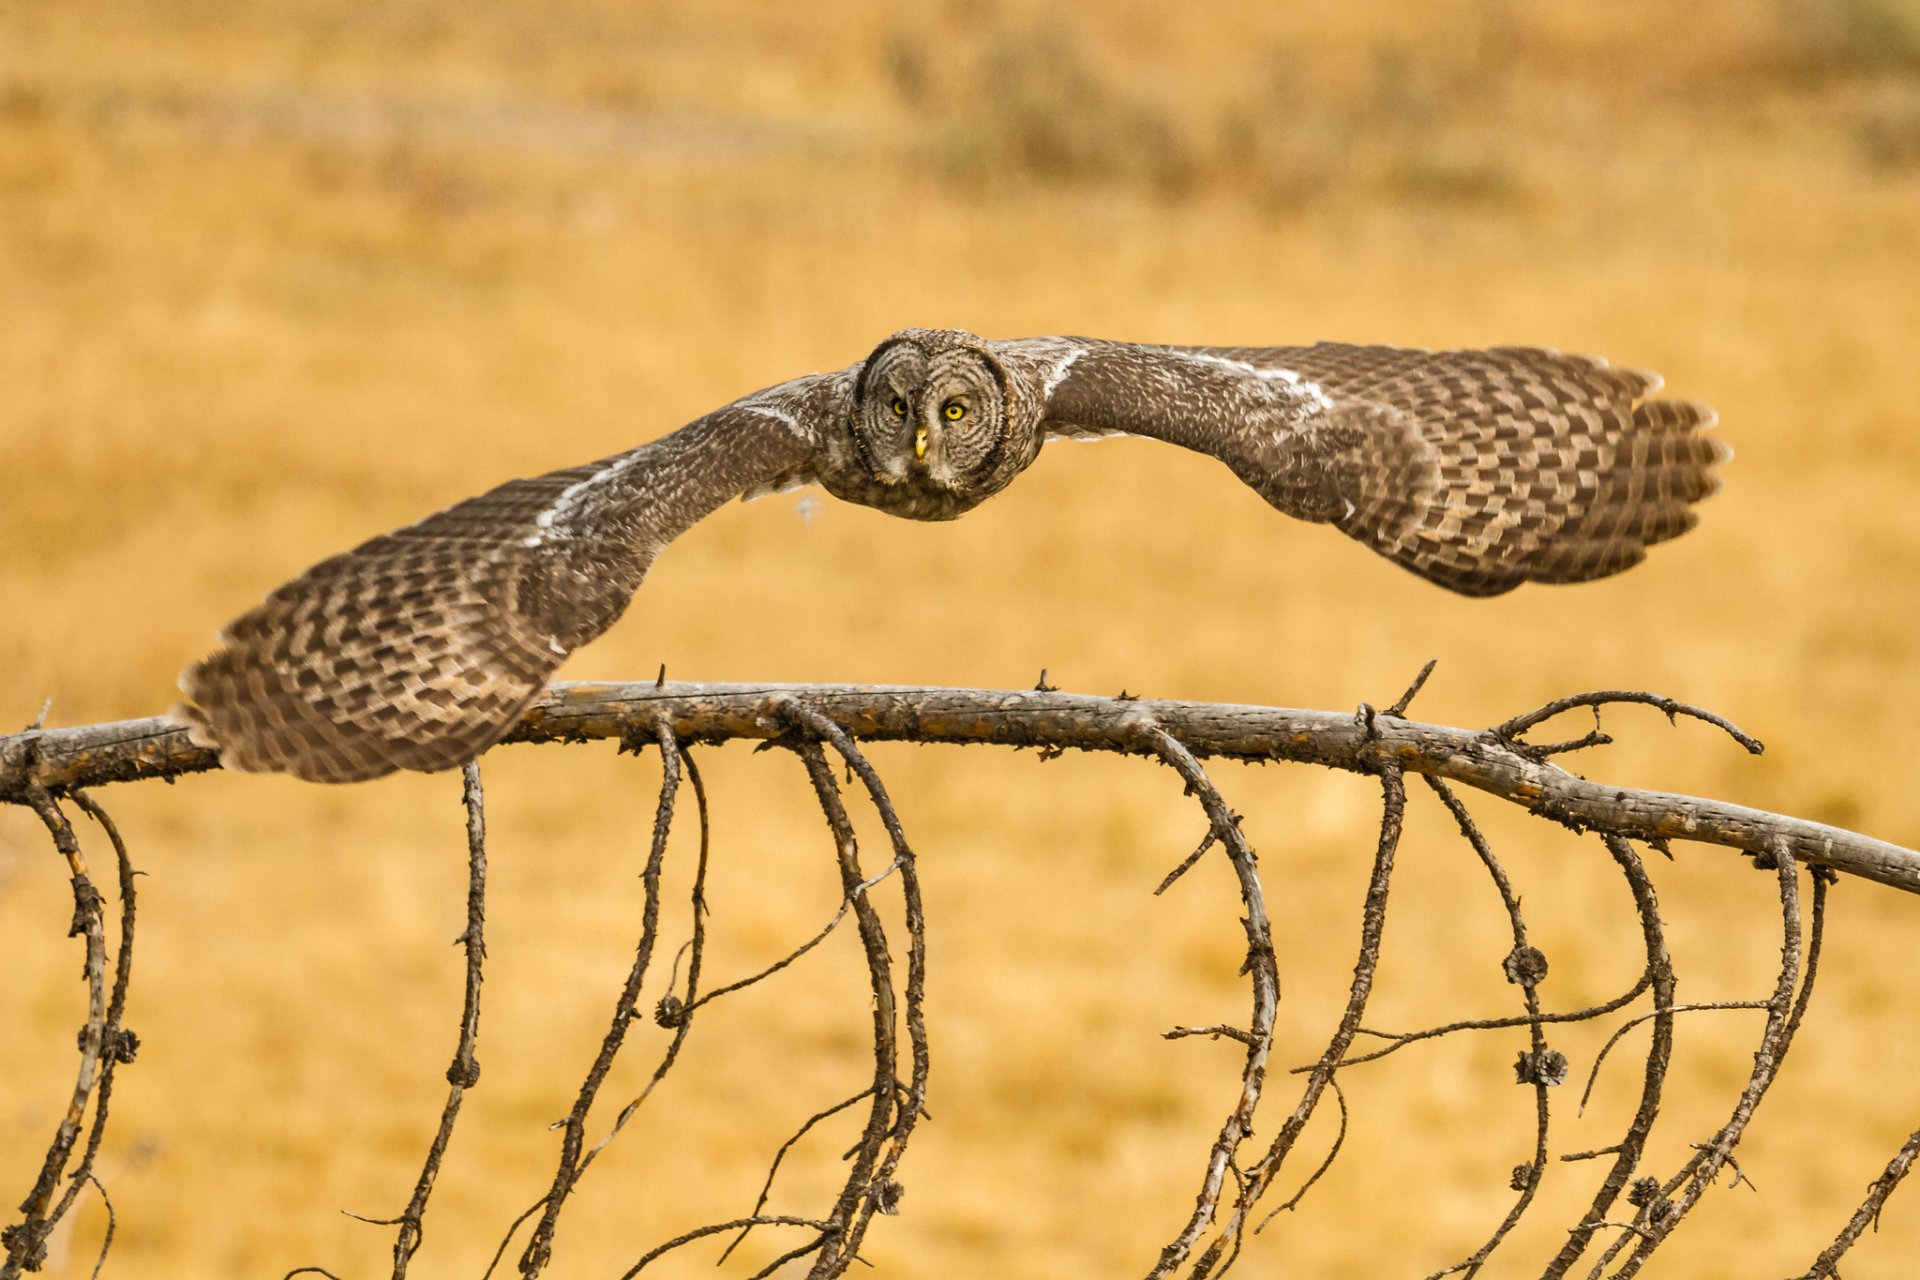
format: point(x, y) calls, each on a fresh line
point(1477, 470)
point(1514, 464)
point(411, 651)
point(422, 648)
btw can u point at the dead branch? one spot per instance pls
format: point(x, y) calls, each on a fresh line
point(43, 767)
point(1627, 1151)
point(26, 1240)
point(539, 1248)
point(1265, 972)
point(465, 1071)
point(1489, 760)
point(1526, 968)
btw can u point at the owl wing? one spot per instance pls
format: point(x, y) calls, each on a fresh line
point(421, 648)
point(1478, 470)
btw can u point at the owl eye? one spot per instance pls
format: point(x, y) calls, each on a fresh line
point(955, 411)
point(899, 407)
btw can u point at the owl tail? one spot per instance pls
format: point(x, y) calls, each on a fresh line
point(399, 655)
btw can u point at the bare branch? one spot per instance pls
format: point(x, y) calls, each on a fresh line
point(1512, 729)
point(1659, 1055)
point(826, 1230)
point(822, 725)
point(1261, 965)
point(540, 1246)
point(837, 1254)
point(465, 1071)
point(55, 759)
point(1827, 1264)
point(1373, 919)
point(883, 1193)
point(773, 1170)
point(1405, 700)
point(26, 1240)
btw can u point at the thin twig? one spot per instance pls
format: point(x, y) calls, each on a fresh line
point(118, 1045)
point(1333, 1150)
point(1827, 1264)
point(1398, 1040)
point(113, 1224)
point(540, 1245)
point(883, 1192)
point(1512, 729)
point(1527, 968)
point(826, 1229)
point(1263, 969)
point(1186, 864)
point(834, 1260)
point(1600, 1058)
point(1399, 708)
point(773, 1170)
point(1373, 920)
point(1214, 1031)
point(674, 1011)
point(846, 904)
point(1659, 1055)
point(26, 1240)
point(464, 1073)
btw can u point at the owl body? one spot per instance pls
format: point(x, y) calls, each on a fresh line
point(1478, 470)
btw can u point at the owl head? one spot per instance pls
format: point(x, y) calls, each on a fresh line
point(938, 425)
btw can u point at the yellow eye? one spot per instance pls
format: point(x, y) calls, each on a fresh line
point(955, 411)
point(899, 407)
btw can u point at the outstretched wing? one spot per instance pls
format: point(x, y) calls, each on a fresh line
point(1478, 470)
point(421, 648)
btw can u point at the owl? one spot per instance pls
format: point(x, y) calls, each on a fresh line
point(1477, 470)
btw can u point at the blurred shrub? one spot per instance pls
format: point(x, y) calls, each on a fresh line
point(1889, 134)
point(1025, 106)
point(1029, 107)
point(1851, 37)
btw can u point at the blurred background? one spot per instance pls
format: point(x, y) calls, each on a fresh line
point(275, 277)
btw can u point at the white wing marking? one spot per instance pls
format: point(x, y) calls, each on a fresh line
point(1059, 371)
point(780, 416)
point(571, 494)
point(1310, 389)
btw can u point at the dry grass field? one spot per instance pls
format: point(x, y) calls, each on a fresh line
point(276, 277)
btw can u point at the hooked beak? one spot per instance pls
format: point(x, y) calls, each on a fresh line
point(920, 443)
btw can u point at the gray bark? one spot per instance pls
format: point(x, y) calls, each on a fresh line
point(59, 759)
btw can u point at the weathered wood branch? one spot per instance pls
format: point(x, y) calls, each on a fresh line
point(60, 759)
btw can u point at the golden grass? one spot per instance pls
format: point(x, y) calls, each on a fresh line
point(277, 277)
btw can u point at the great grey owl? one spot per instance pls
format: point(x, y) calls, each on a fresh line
point(1478, 470)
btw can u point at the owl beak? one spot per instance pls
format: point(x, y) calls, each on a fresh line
point(920, 443)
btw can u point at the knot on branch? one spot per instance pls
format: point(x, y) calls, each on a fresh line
point(1525, 966)
point(1647, 1196)
point(464, 1073)
point(26, 1243)
point(86, 905)
point(1541, 1066)
point(886, 1195)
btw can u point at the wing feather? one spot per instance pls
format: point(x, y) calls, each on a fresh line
point(421, 648)
point(1478, 470)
